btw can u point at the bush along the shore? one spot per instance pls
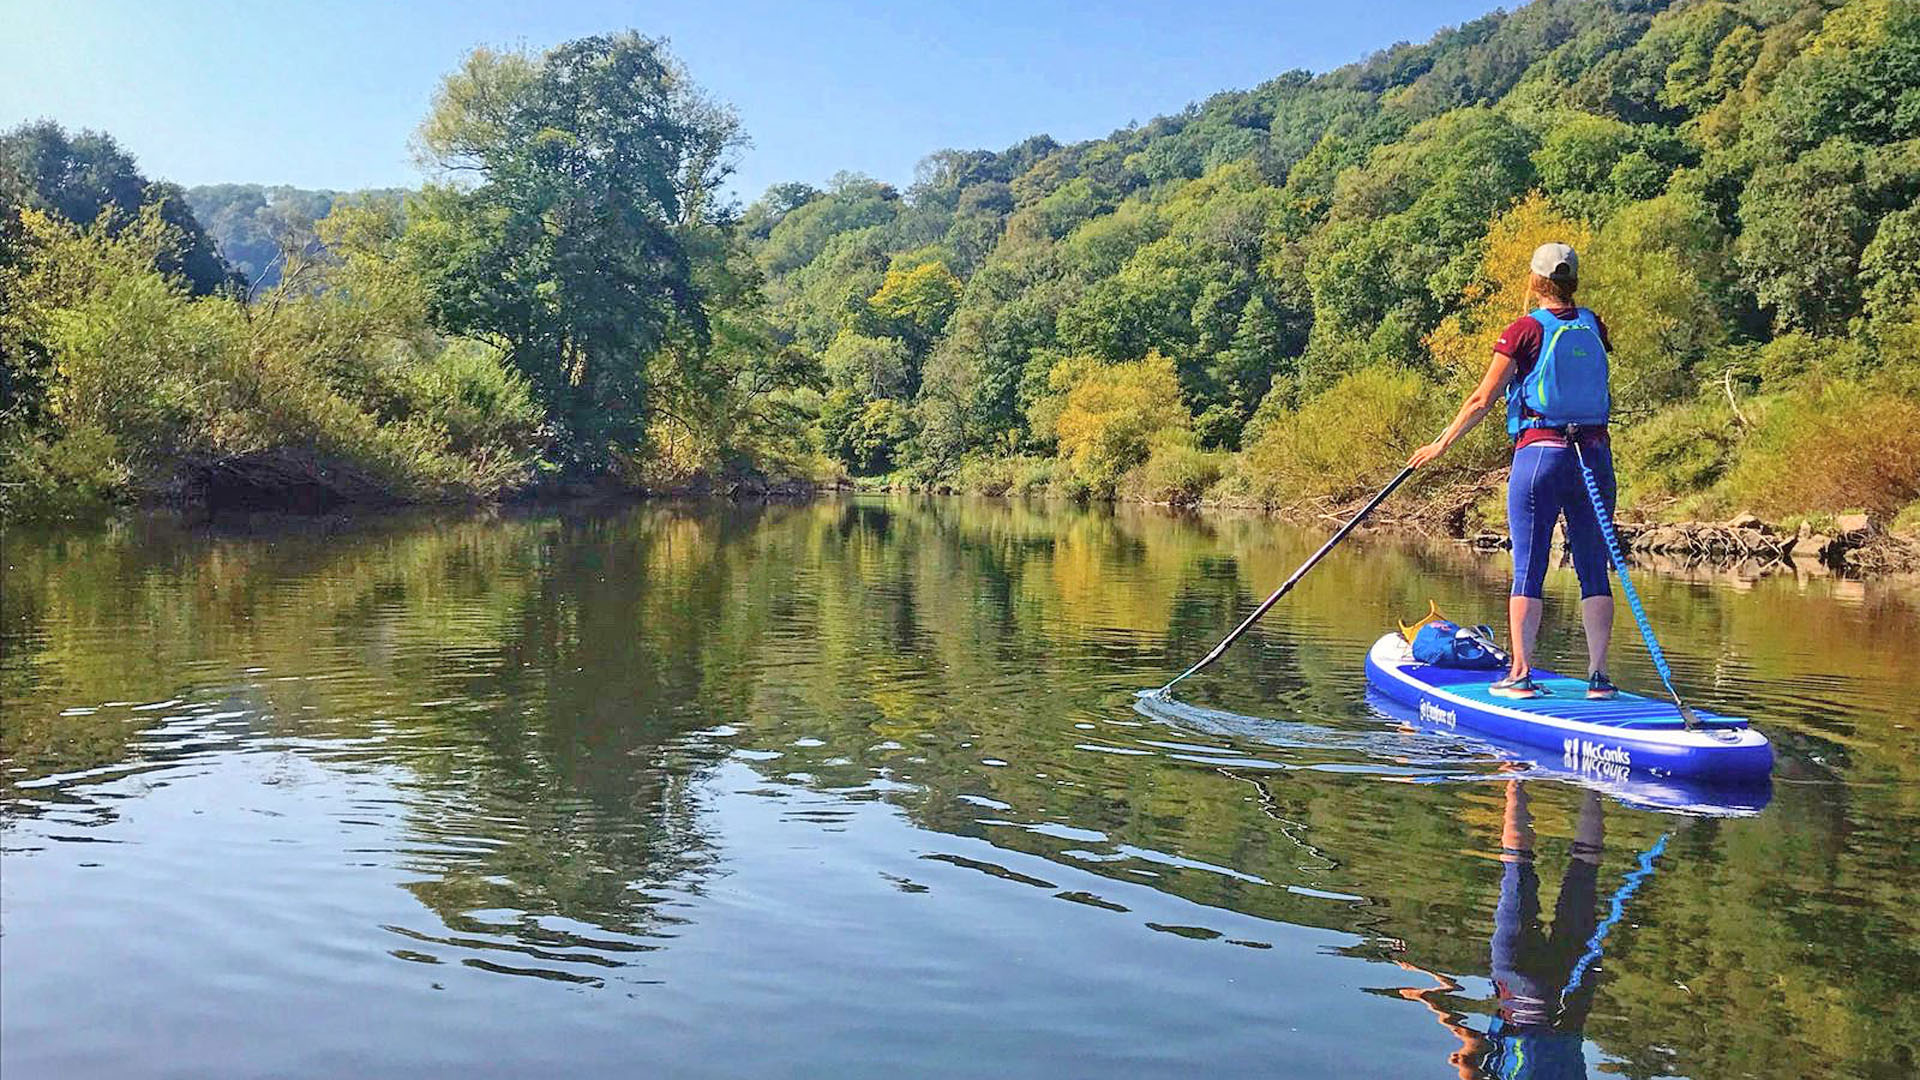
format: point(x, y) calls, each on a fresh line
point(145, 388)
point(576, 314)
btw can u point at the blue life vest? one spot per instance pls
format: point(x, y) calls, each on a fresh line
point(1568, 384)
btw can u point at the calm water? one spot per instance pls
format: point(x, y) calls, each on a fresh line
point(859, 788)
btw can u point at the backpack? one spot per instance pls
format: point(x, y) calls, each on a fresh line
point(1445, 644)
point(1568, 384)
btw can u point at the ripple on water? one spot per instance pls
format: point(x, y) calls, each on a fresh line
point(556, 794)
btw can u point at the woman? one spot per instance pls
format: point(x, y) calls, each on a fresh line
point(1551, 366)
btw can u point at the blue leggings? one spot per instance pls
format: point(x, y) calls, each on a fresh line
point(1546, 484)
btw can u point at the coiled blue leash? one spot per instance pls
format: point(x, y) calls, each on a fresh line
point(1597, 943)
point(1626, 583)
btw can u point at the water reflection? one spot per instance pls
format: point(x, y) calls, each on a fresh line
point(1539, 974)
point(706, 762)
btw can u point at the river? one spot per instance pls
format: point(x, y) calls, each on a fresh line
point(859, 787)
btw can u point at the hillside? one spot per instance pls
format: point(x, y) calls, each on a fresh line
point(249, 222)
point(1310, 272)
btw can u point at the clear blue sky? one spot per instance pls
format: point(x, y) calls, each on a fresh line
point(326, 94)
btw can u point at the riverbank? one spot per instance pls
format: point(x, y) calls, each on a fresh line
point(1470, 510)
point(1462, 510)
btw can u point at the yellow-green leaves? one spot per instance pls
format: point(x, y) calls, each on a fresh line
point(1115, 414)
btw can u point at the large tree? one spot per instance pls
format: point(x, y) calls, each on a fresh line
point(573, 180)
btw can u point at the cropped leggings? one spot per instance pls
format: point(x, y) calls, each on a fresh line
point(1545, 485)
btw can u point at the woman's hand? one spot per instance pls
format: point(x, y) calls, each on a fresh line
point(1427, 453)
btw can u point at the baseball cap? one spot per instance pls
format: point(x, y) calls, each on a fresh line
point(1556, 261)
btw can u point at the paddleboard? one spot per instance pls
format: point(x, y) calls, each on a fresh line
point(1626, 739)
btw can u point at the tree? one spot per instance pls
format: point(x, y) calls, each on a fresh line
point(84, 176)
point(1890, 266)
point(917, 301)
point(582, 169)
point(1115, 414)
point(1804, 224)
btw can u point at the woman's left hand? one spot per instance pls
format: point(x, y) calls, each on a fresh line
point(1427, 453)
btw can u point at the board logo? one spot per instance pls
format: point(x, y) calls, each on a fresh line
point(1587, 756)
point(1434, 714)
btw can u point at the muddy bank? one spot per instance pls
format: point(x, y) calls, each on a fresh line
point(1855, 545)
point(1852, 544)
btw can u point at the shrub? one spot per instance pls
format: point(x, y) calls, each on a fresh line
point(1831, 446)
point(1114, 415)
point(1174, 473)
point(484, 408)
point(150, 379)
point(984, 476)
point(1678, 451)
point(1788, 358)
point(78, 475)
point(1348, 440)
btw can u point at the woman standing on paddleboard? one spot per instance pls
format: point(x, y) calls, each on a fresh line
point(1551, 367)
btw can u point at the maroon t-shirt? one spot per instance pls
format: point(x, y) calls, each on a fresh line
point(1521, 341)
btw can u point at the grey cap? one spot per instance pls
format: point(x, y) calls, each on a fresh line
point(1556, 261)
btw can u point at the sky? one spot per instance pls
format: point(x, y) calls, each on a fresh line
point(326, 95)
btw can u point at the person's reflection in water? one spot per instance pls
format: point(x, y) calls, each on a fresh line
point(1536, 1031)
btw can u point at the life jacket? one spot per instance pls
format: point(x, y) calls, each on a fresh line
point(1568, 384)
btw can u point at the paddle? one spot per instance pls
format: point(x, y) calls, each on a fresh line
point(1287, 585)
point(1626, 583)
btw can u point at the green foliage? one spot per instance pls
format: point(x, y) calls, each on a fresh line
point(1343, 442)
point(1174, 473)
point(1016, 476)
point(1890, 265)
point(593, 160)
point(482, 405)
point(1804, 224)
point(1261, 275)
point(801, 233)
point(78, 475)
point(870, 367)
point(84, 177)
point(1677, 452)
point(1730, 171)
point(147, 385)
point(1833, 445)
point(874, 434)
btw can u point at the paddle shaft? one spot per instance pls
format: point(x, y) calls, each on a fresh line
point(1287, 585)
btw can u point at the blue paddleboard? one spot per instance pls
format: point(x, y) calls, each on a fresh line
point(1628, 738)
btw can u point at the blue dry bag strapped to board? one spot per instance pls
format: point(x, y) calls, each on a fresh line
point(1568, 384)
point(1444, 644)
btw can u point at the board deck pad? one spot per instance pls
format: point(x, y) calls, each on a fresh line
point(1566, 699)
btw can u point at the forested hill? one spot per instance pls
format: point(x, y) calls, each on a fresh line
point(250, 222)
point(1309, 271)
